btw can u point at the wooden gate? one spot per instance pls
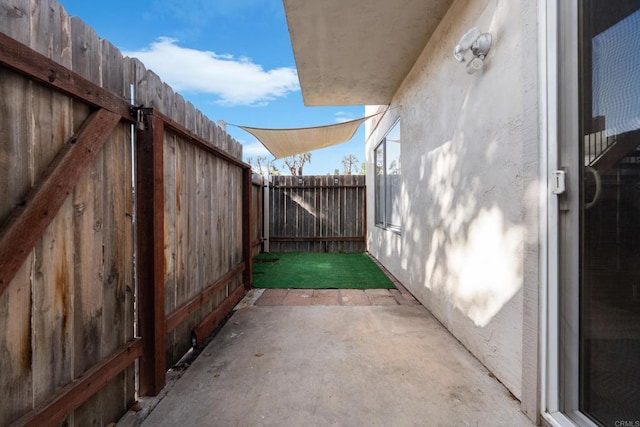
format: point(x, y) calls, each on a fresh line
point(69, 222)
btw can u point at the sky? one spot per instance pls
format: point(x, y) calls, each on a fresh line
point(232, 59)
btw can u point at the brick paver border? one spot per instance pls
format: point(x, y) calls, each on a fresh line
point(346, 297)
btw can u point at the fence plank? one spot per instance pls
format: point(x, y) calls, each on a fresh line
point(209, 270)
point(175, 108)
point(328, 213)
point(247, 218)
point(220, 226)
point(15, 181)
point(27, 223)
point(117, 185)
point(88, 233)
point(170, 244)
point(179, 221)
point(207, 195)
point(191, 282)
point(52, 284)
point(15, 347)
point(190, 167)
point(227, 211)
point(184, 172)
point(317, 213)
point(89, 274)
point(201, 260)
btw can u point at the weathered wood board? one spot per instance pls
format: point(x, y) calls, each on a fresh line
point(71, 305)
point(317, 213)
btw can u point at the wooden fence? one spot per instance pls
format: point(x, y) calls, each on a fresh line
point(257, 210)
point(317, 213)
point(70, 223)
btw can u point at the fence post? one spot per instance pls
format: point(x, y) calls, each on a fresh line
point(247, 219)
point(266, 215)
point(150, 252)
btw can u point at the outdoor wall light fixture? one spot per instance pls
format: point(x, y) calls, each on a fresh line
point(479, 44)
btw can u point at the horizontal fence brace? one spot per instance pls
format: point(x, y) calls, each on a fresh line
point(179, 315)
point(70, 397)
point(313, 187)
point(317, 239)
point(26, 61)
point(25, 225)
point(201, 143)
point(213, 320)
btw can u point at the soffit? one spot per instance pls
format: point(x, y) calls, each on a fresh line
point(354, 52)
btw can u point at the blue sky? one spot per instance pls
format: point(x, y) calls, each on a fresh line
point(231, 58)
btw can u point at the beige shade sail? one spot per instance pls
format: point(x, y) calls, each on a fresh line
point(288, 142)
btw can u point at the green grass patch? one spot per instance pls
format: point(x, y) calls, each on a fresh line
point(312, 270)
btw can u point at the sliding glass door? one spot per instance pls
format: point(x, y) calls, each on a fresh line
point(600, 214)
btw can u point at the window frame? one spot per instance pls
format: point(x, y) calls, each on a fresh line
point(382, 194)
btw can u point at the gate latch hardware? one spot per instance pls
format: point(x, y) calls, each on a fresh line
point(558, 182)
point(140, 113)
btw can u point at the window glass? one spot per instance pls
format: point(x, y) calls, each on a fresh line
point(394, 177)
point(388, 180)
point(609, 280)
point(379, 184)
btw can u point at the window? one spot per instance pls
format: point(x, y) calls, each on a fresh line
point(388, 179)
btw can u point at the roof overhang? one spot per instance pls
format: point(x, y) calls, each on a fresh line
point(354, 52)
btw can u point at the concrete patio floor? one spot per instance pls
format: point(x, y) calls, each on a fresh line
point(335, 365)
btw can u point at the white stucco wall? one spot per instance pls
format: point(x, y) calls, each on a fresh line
point(464, 139)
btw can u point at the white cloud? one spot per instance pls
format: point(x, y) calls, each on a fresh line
point(343, 116)
point(234, 81)
point(254, 149)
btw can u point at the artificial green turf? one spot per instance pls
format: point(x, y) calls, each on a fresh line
point(312, 270)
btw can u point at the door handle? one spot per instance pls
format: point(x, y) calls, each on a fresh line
point(598, 181)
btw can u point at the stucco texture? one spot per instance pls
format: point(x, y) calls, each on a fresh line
point(463, 241)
